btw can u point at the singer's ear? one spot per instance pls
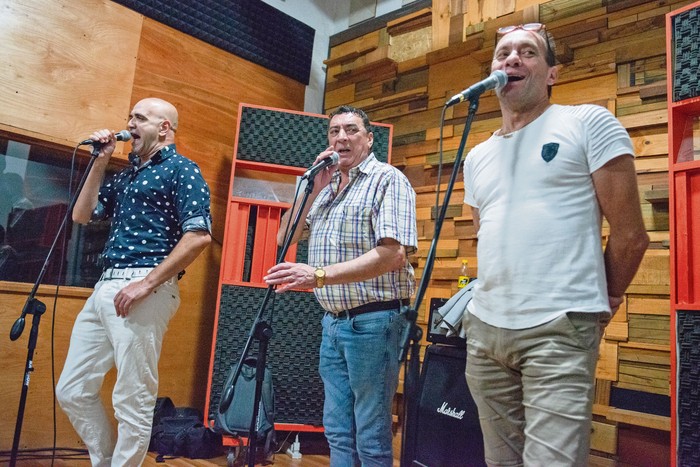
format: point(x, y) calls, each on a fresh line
point(553, 75)
point(164, 127)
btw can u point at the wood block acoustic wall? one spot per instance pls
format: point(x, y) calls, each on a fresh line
point(611, 54)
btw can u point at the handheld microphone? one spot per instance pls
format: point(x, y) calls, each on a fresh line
point(325, 162)
point(123, 135)
point(496, 80)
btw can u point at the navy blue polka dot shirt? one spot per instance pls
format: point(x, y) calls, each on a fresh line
point(151, 207)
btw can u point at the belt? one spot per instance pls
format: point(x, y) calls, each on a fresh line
point(370, 307)
point(128, 273)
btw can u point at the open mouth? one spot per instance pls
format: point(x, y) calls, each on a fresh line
point(512, 78)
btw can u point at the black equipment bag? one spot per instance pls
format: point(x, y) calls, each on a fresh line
point(180, 432)
point(237, 417)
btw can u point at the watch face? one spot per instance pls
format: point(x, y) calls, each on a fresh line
point(320, 277)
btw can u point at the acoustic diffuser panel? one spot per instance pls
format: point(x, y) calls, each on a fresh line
point(292, 353)
point(686, 54)
point(284, 44)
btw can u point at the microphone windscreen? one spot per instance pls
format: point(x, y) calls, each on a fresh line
point(501, 78)
point(123, 135)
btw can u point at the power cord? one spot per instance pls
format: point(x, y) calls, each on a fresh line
point(46, 453)
point(294, 450)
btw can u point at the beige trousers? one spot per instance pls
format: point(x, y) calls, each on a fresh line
point(534, 388)
point(102, 340)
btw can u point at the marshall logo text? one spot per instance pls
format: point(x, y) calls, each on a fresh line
point(451, 412)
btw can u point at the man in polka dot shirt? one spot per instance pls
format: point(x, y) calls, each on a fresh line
point(160, 222)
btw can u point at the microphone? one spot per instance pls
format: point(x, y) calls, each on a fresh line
point(123, 135)
point(325, 162)
point(496, 80)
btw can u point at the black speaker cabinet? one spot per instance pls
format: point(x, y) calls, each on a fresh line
point(688, 399)
point(445, 430)
point(292, 353)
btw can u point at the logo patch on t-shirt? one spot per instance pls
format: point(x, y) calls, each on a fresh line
point(549, 150)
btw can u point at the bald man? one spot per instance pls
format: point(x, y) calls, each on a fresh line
point(160, 222)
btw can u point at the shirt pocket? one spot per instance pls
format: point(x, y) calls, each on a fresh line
point(355, 228)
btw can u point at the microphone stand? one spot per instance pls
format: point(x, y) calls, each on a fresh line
point(412, 333)
point(262, 331)
point(36, 308)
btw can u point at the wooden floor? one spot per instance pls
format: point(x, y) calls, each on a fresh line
point(281, 459)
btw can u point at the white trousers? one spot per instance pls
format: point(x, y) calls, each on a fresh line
point(102, 340)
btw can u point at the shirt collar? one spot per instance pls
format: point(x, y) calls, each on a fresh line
point(366, 165)
point(162, 154)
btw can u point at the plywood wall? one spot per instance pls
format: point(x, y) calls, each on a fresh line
point(610, 53)
point(68, 67)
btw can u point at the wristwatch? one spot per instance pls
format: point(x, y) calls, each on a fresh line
point(320, 275)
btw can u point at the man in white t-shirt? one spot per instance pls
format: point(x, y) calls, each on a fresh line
point(538, 188)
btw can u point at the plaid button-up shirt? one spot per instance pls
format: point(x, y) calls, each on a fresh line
point(377, 203)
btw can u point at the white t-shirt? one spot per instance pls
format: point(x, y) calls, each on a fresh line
point(540, 252)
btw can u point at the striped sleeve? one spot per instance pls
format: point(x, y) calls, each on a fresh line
point(606, 137)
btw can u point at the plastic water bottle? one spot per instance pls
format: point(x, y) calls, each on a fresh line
point(463, 279)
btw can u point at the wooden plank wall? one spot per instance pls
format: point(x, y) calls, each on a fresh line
point(611, 54)
point(68, 67)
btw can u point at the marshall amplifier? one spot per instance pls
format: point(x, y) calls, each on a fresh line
point(445, 431)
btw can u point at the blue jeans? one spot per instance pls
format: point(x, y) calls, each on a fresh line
point(359, 365)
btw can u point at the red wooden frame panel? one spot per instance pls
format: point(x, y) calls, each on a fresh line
point(684, 207)
point(265, 245)
point(233, 248)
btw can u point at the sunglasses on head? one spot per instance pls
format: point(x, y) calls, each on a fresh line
point(534, 27)
point(537, 28)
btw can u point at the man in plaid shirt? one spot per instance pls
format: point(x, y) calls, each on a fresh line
point(361, 225)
